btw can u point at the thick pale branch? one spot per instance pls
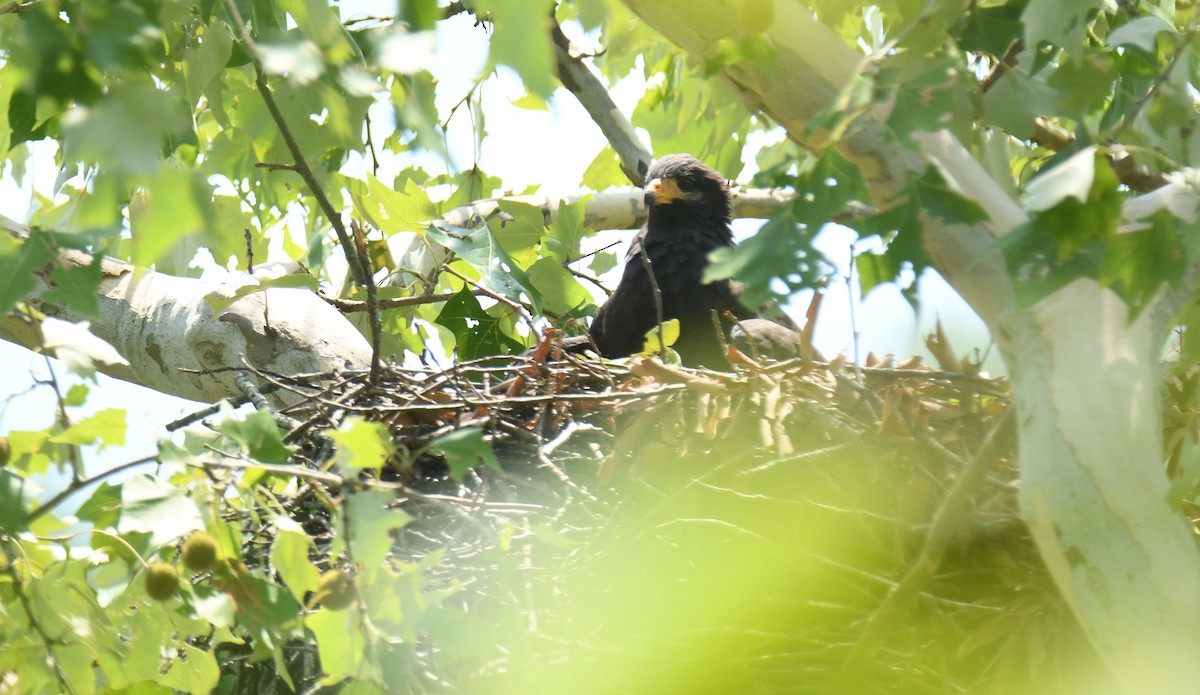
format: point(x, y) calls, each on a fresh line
point(162, 324)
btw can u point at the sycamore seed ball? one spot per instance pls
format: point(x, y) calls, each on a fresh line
point(336, 590)
point(199, 551)
point(161, 581)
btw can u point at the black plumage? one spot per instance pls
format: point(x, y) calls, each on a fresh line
point(689, 211)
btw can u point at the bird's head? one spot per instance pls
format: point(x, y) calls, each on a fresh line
point(684, 185)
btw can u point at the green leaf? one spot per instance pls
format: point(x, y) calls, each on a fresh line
point(18, 259)
point(522, 40)
point(477, 333)
point(341, 644)
point(108, 426)
point(670, 333)
point(464, 449)
point(420, 15)
point(520, 235)
point(931, 95)
point(562, 291)
point(569, 230)
point(371, 522)
point(991, 29)
point(157, 507)
point(126, 130)
point(604, 171)
point(14, 502)
point(1014, 103)
point(1137, 264)
point(75, 287)
point(1062, 24)
point(76, 395)
point(102, 508)
point(362, 445)
point(259, 434)
point(203, 62)
point(289, 557)
point(479, 248)
point(220, 300)
point(169, 208)
point(393, 211)
point(196, 672)
point(1142, 33)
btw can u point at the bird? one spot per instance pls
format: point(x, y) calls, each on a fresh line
point(689, 208)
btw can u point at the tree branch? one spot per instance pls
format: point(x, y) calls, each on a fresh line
point(594, 97)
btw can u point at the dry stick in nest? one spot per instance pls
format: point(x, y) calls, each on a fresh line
point(946, 523)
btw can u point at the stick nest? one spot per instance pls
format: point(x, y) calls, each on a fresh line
point(803, 526)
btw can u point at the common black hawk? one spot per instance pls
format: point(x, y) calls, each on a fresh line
point(689, 211)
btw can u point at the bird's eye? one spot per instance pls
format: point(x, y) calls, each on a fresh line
point(684, 184)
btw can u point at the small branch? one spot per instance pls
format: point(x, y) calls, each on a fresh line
point(74, 457)
point(78, 485)
point(1006, 61)
point(276, 166)
point(594, 97)
point(302, 167)
point(17, 7)
point(590, 278)
point(658, 307)
point(1132, 114)
point(374, 317)
point(350, 306)
point(18, 588)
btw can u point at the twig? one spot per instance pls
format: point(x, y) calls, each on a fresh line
point(658, 307)
point(74, 456)
point(373, 315)
point(17, 7)
point(590, 278)
point(1006, 61)
point(276, 166)
point(349, 306)
point(496, 296)
point(18, 588)
point(301, 164)
point(1132, 114)
point(78, 485)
